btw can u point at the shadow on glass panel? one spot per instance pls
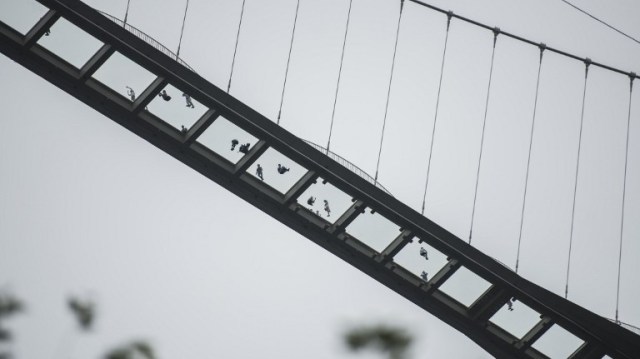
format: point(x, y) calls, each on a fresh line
point(465, 286)
point(70, 43)
point(21, 15)
point(325, 200)
point(516, 318)
point(557, 342)
point(227, 140)
point(277, 170)
point(419, 258)
point(374, 230)
point(124, 76)
point(176, 108)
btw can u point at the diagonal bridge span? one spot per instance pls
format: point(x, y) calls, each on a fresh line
point(600, 336)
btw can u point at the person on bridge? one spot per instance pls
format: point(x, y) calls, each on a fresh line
point(423, 253)
point(326, 208)
point(244, 148)
point(282, 169)
point(165, 96)
point(183, 129)
point(259, 172)
point(311, 200)
point(234, 143)
point(424, 275)
point(131, 94)
point(188, 99)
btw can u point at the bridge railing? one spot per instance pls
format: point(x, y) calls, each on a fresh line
point(350, 166)
point(148, 39)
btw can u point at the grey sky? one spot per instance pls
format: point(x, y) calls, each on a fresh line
point(88, 208)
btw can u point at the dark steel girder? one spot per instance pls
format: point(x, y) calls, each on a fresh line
point(599, 334)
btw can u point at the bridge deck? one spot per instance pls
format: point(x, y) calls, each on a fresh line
point(600, 337)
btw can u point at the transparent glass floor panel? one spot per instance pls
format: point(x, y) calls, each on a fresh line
point(122, 75)
point(517, 321)
point(415, 260)
point(220, 137)
point(315, 196)
point(374, 230)
point(70, 43)
point(172, 107)
point(557, 342)
point(465, 286)
point(269, 166)
point(21, 15)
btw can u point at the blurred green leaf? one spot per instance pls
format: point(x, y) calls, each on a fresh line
point(394, 341)
point(82, 311)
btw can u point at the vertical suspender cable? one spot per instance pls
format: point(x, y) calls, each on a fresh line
point(235, 50)
point(526, 177)
point(286, 71)
point(435, 117)
point(184, 20)
point(386, 107)
point(126, 13)
point(496, 32)
point(335, 100)
point(587, 62)
point(632, 76)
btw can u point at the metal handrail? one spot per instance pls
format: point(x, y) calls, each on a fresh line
point(146, 38)
point(353, 168)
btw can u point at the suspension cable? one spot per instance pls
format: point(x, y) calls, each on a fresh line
point(184, 20)
point(496, 32)
point(235, 50)
point(386, 107)
point(624, 191)
point(335, 99)
point(526, 178)
point(286, 71)
point(587, 62)
point(126, 13)
point(435, 117)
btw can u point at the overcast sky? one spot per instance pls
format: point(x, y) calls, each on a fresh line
point(88, 208)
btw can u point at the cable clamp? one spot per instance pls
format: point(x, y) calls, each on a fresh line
point(449, 17)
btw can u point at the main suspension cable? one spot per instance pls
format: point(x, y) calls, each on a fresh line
point(386, 107)
point(587, 62)
point(335, 99)
point(435, 117)
point(235, 50)
point(526, 177)
point(496, 32)
point(286, 71)
point(624, 191)
point(184, 20)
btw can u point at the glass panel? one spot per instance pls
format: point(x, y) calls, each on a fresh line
point(176, 108)
point(374, 230)
point(419, 257)
point(336, 201)
point(227, 140)
point(465, 286)
point(70, 43)
point(277, 170)
point(21, 15)
point(557, 342)
point(516, 318)
point(124, 76)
